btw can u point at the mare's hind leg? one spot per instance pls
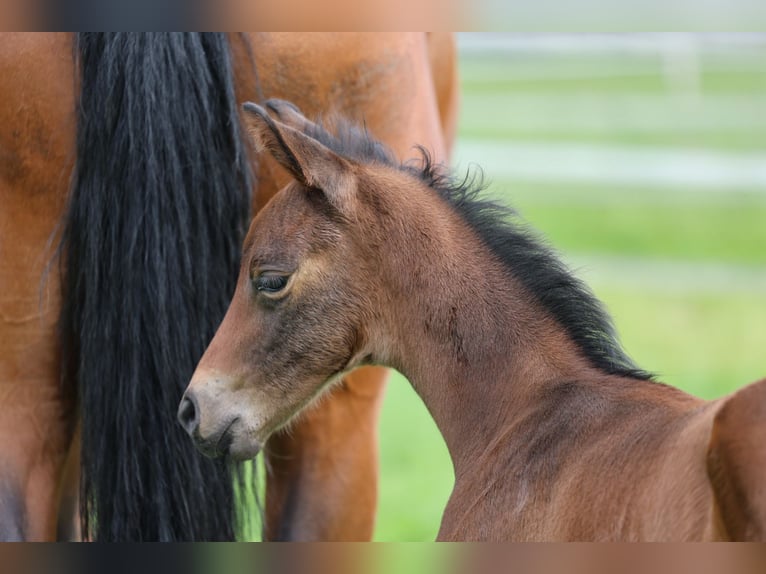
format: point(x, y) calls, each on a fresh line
point(35, 417)
point(36, 143)
point(737, 464)
point(334, 446)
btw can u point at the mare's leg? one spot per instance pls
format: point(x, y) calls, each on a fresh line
point(68, 517)
point(322, 483)
point(36, 141)
point(443, 57)
point(737, 463)
point(322, 474)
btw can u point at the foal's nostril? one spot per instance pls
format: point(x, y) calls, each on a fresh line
point(187, 414)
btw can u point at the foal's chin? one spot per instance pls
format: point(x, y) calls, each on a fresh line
point(243, 448)
point(237, 446)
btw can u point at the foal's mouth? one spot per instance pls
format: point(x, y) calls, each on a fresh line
point(223, 444)
point(213, 447)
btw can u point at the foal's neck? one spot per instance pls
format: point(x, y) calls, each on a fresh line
point(475, 344)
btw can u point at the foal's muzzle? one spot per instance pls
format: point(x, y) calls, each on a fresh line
point(217, 421)
point(213, 444)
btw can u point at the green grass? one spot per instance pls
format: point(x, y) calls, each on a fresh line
point(416, 472)
point(708, 345)
point(647, 82)
point(609, 74)
point(618, 100)
point(494, 128)
point(664, 121)
point(726, 229)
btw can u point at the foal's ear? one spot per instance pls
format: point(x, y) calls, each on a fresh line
point(288, 113)
point(310, 162)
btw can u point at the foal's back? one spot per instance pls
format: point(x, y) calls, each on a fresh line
point(621, 460)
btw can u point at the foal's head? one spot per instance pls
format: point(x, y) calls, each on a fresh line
point(308, 301)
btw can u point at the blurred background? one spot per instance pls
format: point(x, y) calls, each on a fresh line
point(642, 159)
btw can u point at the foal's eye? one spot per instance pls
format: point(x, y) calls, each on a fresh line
point(271, 283)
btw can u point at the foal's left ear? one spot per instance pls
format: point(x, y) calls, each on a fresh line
point(310, 162)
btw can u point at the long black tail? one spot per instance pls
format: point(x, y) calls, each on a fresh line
point(151, 245)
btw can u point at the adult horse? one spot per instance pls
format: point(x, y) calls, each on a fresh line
point(553, 432)
point(150, 229)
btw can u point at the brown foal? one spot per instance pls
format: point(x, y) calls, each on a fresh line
point(553, 433)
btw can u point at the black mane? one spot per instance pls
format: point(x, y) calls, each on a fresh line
point(532, 262)
point(527, 257)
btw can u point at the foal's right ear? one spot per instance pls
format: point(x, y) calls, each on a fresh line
point(309, 161)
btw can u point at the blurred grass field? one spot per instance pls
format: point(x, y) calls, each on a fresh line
point(670, 233)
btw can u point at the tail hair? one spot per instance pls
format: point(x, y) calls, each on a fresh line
point(150, 250)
